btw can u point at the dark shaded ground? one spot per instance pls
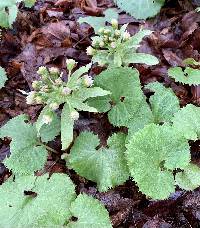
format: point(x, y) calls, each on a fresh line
point(47, 35)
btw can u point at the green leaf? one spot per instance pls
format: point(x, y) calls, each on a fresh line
point(110, 13)
point(188, 76)
point(99, 22)
point(72, 81)
point(8, 13)
point(42, 127)
point(105, 166)
point(137, 38)
point(140, 9)
point(48, 207)
point(79, 96)
point(187, 123)
point(29, 3)
point(67, 124)
point(49, 131)
point(7, 3)
point(27, 155)
point(3, 19)
point(191, 61)
point(152, 154)
point(189, 179)
point(141, 58)
point(13, 11)
point(100, 103)
point(3, 77)
point(90, 213)
point(126, 94)
point(85, 93)
point(164, 103)
point(141, 117)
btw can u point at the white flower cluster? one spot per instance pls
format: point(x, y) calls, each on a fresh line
point(108, 38)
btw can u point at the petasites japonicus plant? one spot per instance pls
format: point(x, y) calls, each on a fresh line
point(141, 9)
point(9, 11)
point(126, 104)
point(3, 77)
point(165, 151)
point(52, 91)
point(39, 202)
point(106, 166)
point(114, 46)
point(28, 154)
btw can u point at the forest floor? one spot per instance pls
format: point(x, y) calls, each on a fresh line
point(46, 35)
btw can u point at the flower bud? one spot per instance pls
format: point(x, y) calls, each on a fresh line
point(54, 106)
point(105, 38)
point(47, 119)
point(101, 44)
point(106, 31)
point(113, 45)
point(64, 156)
point(114, 23)
point(66, 91)
point(126, 36)
point(38, 100)
point(58, 81)
point(35, 84)
point(71, 63)
point(45, 89)
point(30, 99)
point(90, 50)
point(54, 70)
point(111, 39)
point(74, 115)
point(42, 70)
point(87, 80)
point(101, 30)
point(117, 32)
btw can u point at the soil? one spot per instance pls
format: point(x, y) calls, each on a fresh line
point(48, 34)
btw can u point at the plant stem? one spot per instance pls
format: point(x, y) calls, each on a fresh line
point(51, 149)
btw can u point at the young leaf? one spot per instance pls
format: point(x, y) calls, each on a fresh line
point(67, 124)
point(189, 179)
point(126, 94)
point(86, 205)
point(164, 103)
point(141, 58)
point(3, 77)
point(27, 155)
point(99, 22)
point(163, 150)
point(186, 121)
point(141, 9)
point(49, 131)
point(105, 166)
point(48, 206)
point(188, 76)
